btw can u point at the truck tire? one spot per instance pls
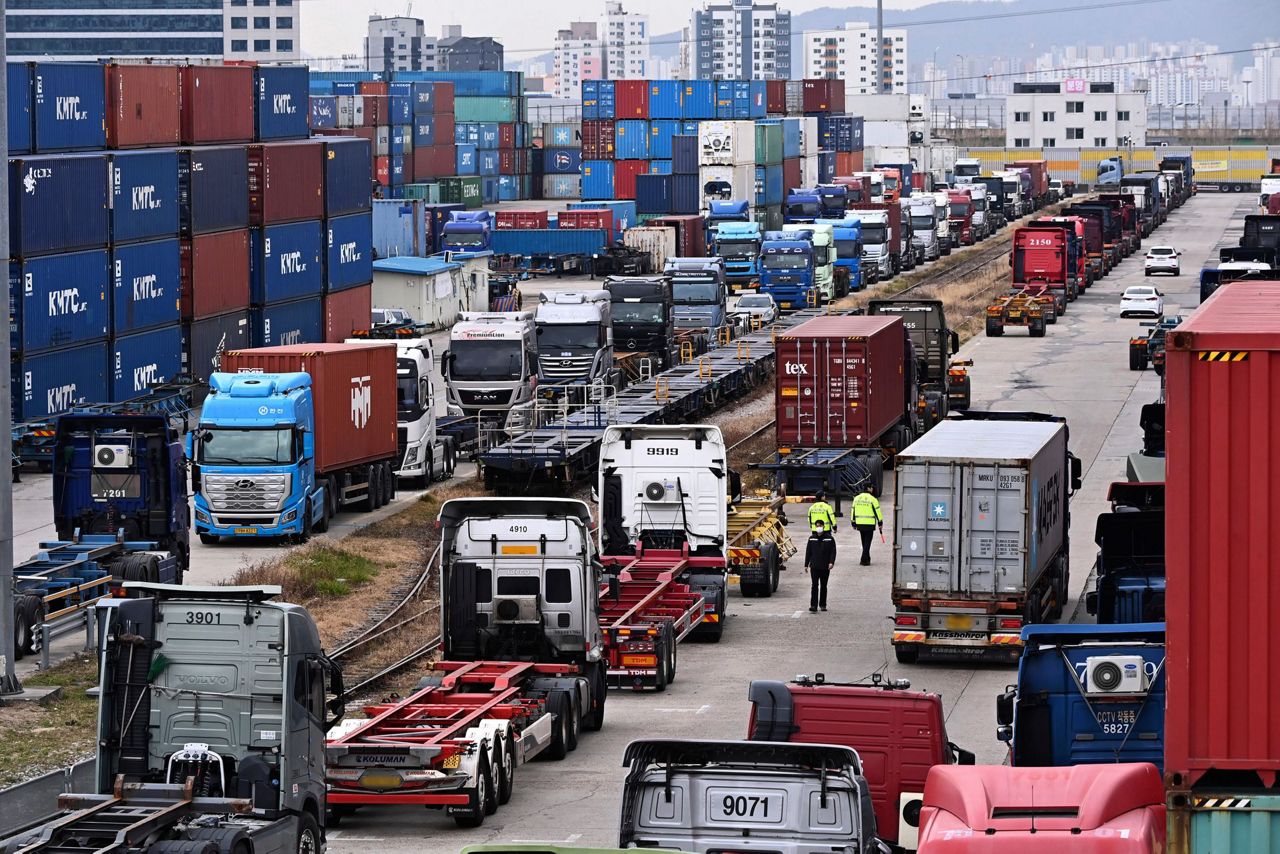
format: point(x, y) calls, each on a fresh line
point(229, 840)
point(572, 721)
point(994, 327)
point(906, 653)
point(660, 678)
point(322, 527)
point(371, 492)
point(1051, 313)
point(1036, 330)
point(505, 777)
point(672, 655)
point(772, 570)
point(556, 704)
point(183, 846)
point(389, 478)
point(1137, 358)
point(308, 526)
point(309, 841)
point(26, 617)
point(210, 539)
point(480, 795)
point(594, 721)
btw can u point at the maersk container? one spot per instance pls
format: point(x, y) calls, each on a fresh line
point(727, 143)
point(47, 384)
point(281, 103)
point(146, 285)
point(69, 102)
point(215, 273)
point(698, 99)
point(58, 301)
point(424, 130)
point(770, 185)
point(324, 112)
point(840, 381)
point(144, 195)
point(347, 175)
point(298, 321)
point(18, 92)
point(286, 181)
point(349, 251)
point(57, 204)
point(562, 187)
point(631, 139)
point(210, 337)
point(542, 241)
point(664, 99)
point(213, 189)
point(144, 359)
point(142, 105)
point(1221, 508)
point(473, 109)
point(466, 163)
point(217, 103)
point(597, 179)
point(562, 134)
point(684, 154)
point(285, 262)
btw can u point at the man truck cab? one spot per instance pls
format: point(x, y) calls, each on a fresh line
point(491, 368)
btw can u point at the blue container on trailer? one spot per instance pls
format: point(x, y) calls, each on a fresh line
point(213, 188)
point(660, 167)
point(324, 112)
point(58, 204)
point(487, 163)
point(826, 167)
point(69, 103)
point(349, 251)
point(509, 189)
point(286, 262)
point(631, 139)
point(664, 99)
point(769, 189)
point(724, 99)
point(466, 160)
point(280, 324)
point(50, 383)
point(597, 179)
point(698, 99)
point(424, 130)
point(488, 135)
point(18, 92)
point(281, 111)
point(396, 140)
point(146, 285)
point(144, 195)
point(144, 358)
point(661, 133)
point(653, 194)
point(686, 197)
point(684, 154)
point(348, 175)
point(58, 300)
point(558, 241)
point(397, 170)
point(561, 161)
point(791, 143)
point(624, 212)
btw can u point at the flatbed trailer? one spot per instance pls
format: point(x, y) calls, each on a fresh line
point(839, 472)
point(1022, 308)
point(758, 544)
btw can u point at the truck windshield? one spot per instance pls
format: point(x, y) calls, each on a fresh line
point(785, 260)
point(874, 232)
point(848, 249)
point(922, 223)
point(890, 182)
point(968, 169)
point(226, 446)
point(637, 312)
point(737, 248)
point(485, 360)
point(959, 209)
point(695, 291)
point(473, 238)
point(407, 402)
point(804, 209)
point(979, 204)
point(566, 336)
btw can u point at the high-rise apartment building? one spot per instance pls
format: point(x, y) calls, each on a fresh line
point(850, 54)
point(741, 40)
point(626, 43)
point(398, 44)
point(67, 30)
point(259, 30)
point(579, 55)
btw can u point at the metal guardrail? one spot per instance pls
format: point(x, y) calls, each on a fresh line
point(34, 802)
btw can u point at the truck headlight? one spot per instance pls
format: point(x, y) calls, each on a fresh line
point(289, 517)
point(411, 456)
point(202, 516)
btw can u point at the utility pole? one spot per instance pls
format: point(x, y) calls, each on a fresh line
point(9, 683)
point(880, 87)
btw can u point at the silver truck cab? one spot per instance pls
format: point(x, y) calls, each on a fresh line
point(924, 222)
point(744, 796)
point(575, 338)
point(491, 368)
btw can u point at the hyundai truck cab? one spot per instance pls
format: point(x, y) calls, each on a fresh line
point(575, 339)
point(491, 367)
point(846, 235)
point(942, 213)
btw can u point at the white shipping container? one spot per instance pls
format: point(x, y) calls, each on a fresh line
point(350, 111)
point(885, 133)
point(886, 154)
point(809, 136)
point(562, 135)
point(727, 183)
point(795, 97)
point(660, 243)
point(727, 143)
point(562, 187)
point(878, 108)
point(809, 171)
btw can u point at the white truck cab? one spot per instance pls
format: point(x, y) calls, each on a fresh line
point(575, 338)
point(491, 368)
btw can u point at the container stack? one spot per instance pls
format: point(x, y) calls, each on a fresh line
point(727, 164)
point(557, 165)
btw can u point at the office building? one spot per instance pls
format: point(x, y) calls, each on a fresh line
point(1074, 113)
point(741, 40)
point(128, 29)
point(398, 44)
point(260, 30)
point(850, 54)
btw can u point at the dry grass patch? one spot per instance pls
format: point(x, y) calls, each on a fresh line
point(38, 738)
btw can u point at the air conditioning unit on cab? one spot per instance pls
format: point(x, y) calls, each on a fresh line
point(1115, 674)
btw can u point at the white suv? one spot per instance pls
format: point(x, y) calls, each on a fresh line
point(1162, 259)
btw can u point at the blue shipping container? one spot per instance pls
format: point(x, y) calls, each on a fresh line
point(401, 109)
point(488, 134)
point(322, 87)
point(138, 361)
point(144, 195)
point(653, 194)
point(146, 285)
point(324, 112)
point(664, 99)
point(471, 84)
point(18, 91)
point(826, 167)
point(597, 179)
point(791, 143)
point(348, 175)
point(562, 161)
point(209, 337)
point(58, 204)
point(466, 133)
point(281, 111)
point(769, 185)
point(631, 139)
point(489, 190)
point(285, 262)
point(660, 167)
point(399, 227)
point(70, 105)
point(397, 170)
point(281, 324)
point(350, 251)
point(423, 96)
point(487, 162)
point(684, 154)
point(50, 383)
point(749, 101)
point(510, 188)
point(213, 188)
point(724, 99)
point(601, 95)
point(424, 130)
point(686, 194)
point(537, 241)
point(395, 144)
point(660, 135)
point(466, 160)
point(690, 127)
point(697, 99)
point(58, 300)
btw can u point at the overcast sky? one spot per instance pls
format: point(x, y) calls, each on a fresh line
point(525, 27)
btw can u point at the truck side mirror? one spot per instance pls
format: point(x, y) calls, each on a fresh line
point(955, 343)
point(189, 445)
point(1075, 473)
point(308, 445)
point(962, 756)
point(1004, 708)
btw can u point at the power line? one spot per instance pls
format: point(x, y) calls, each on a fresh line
point(1093, 66)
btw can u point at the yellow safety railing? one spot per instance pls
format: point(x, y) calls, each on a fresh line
point(744, 351)
point(757, 322)
point(662, 389)
point(704, 368)
point(724, 335)
point(686, 352)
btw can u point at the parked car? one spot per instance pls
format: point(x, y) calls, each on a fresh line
point(752, 304)
point(1142, 299)
point(1162, 259)
point(384, 316)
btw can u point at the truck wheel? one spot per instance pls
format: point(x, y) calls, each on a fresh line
point(26, 618)
point(1135, 359)
point(772, 571)
point(994, 328)
point(210, 539)
point(716, 632)
point(331, 496)
point(183, 846)
point(322, 526)
point(1051, 313)
point(556, 707)
point(372, 491)
point(660, 678)
point(472, 815)
point(505, 777)
point(672, 646)
point(571, 722)
point(594, 721)
point(308, 835)
point(389, 478)
point(227, 840)
point(906, 653)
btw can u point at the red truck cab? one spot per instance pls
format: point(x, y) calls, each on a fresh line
point(859, 189)
point(892, 184)
point(994, 809)
point(899, 735)
point(1081, 273)
point(1040, 263)
point(960, 215)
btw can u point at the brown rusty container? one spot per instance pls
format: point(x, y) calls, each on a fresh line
point(142, 105)
point(286, 181)
point(217, 103)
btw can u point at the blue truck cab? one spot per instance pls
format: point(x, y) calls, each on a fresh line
point(802, 205)
point(1086, 695)
point(846, 233)
point(468, 231)
point(738, 243)
point(833, 200)
point(1110, 172)
point(786, 269)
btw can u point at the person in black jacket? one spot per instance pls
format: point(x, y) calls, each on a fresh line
point(819, 557)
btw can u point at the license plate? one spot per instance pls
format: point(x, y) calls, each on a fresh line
point(376, 780)
point(639, 661)
point(1015, 314)
point(745, 807)
point(959, 623)
point(959, 635)
point(246, 530)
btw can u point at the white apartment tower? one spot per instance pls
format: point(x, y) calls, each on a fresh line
point(626, 44)
point(398, 44)
point(741, 40)
point(850, 53)
point(579, 55)
point(262, 31)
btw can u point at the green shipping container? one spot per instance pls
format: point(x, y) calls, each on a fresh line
point(487, 109)
point(769, 218)
point(1214, 823)
point(768, 145)
point(429, 193)
point(464, 190)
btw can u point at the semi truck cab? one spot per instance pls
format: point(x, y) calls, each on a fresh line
point(1110, 172)
point(846, 236)
point(802, 206)
point(491, 367)
point(738, 243)
point(877, 249)
point(698, 292)
point(981, 224)
point(924, 224)
point(468, 231)
point(642, 314)
point(1014, 206)
point(787, 269)
point(892, 184)
point(942, 214)
point(722, 212)
point(967, 167)
point(821, 236)
point(961, 216)
point(877, 186)
point(575, 339)
point(832, 199)
point(995, 201)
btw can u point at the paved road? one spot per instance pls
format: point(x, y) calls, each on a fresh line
point(1079, 370)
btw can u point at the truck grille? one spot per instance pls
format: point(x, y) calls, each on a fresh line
point(563, 368)
point(485, 399)
point(259, 493)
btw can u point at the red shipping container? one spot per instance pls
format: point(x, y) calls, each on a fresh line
point(589, 218)
point(624, 177)
point(435, 161)
point(522, 219)
point(373, 87)
point(507, 135)
point(410, 174)
point(775, 96)
point(848, 162)
point(597, 139)
point(513, 162)
point(839, 381)
point(353, 387)
point(1222, 370)
point(444, 105)
point(631, 99)
point(792, 174)
point(286, 182)
point(377, 110)
point(217, 103)
point(691, 237)
point(142, 105)
point(215, 273)
point(824, 95)
point(382, 171)
point(445, 126)
point(346, 311)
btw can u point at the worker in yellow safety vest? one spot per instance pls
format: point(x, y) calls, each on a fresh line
point(866, 518)
point(821, 511)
